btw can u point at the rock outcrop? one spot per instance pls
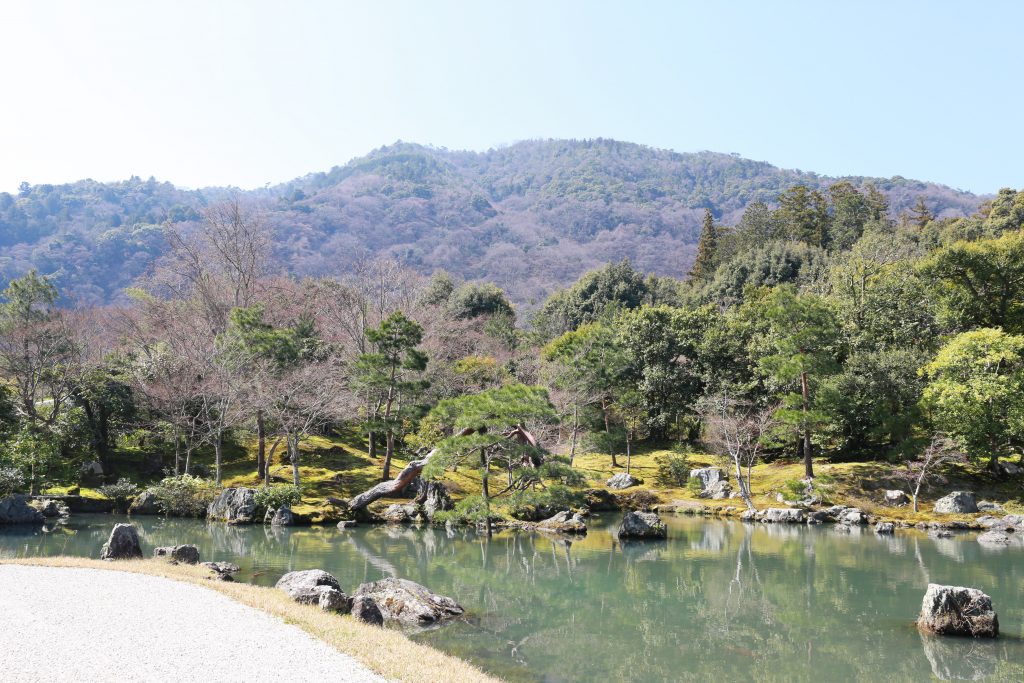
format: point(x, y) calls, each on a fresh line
point(123, 544)
point(408, 602)
point(622, 481)
point(958, 611)
point(145, 503)
point(234, 505)
point(642, 525)
point(566, 522)
point(186, 554)
point(281, 516)
point(308, 585)
point(957, 502)
point(16, 510)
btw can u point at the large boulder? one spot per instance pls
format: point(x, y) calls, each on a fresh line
point(408, 602)
point(717, 491)
point(281, 516)
point(307, 586)
point(51, 508)
point(622, 481)
point(708, 476)
point(566, 522)
point(958, 611)
point(434, 499)
point(957, 503)
point(853, 517)
point(146, 503)
point(364, 608)
point(16, 510)
point(186, 554)
point(642, 525)
point(123, 544)
point(896, 498)
point(333, 600)
point(400, 513)
point(234, 505)
point(784, 516)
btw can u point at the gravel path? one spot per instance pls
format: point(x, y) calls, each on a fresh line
point(62, 624)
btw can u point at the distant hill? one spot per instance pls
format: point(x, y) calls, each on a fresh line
point(530, 217)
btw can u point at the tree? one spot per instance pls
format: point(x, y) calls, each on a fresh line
point(477, 300)
point(920, 215)
point(980, 284)
point(391, 375)
point(704, 264)
point(738, 428)
point(617, 286)
point(804, 215)
point(803, 336)
point(974, 392)
point(939, 453)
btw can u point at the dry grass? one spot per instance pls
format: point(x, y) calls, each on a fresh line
point(385, 651)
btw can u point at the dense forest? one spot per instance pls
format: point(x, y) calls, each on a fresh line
point(818, 326)
point(531, 217)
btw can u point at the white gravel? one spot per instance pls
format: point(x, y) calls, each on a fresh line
point(62, 624)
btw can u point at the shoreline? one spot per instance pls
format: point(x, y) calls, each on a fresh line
point(386, 652)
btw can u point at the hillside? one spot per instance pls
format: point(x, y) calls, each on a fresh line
point(530, 217)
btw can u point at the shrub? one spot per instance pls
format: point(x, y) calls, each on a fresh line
point(694, 485)
point(641, 499)
point(795, 488)
point(673, 471)
point(11, 481)
point(273, 497)
point(121, 493)
point(184, 495)
point(557, 468)
point(469, 510)
point(536, 504)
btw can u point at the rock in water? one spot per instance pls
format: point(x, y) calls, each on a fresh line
point(642, 525)
point(186, 554)
point(399, 513)
point(896, 498)
point(885, 528)
point(566, 522)
point(347, 524)
point(145, 503)
point(853, 517)
point(235, 506)
point(408, 602)
point(282, 516)
point(994, 538)
point(784, 516)
point(958, 502)
point(622, 481)
point(306, 586)
point(958, 611)
point(16, 510)
point(365, 609)
point(435, 499)
point(123, 544)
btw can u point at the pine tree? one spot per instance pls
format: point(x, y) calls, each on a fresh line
point(704, 266)
point(920, 215)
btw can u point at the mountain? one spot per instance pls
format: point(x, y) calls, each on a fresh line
point(530, 217)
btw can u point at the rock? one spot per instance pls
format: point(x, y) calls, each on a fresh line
point(896, 498)
point(784, 516)
point(836, 511)
point(16, 510)
point(123, 544)
point(333, 600)
point(52, 508)
point(940, 533)
point(234, 505)
point(622, 481)
point(642, 525)
point(94, 468)
point(599, 500)
point(819, 517)
point(1013, 521)
point(989, 506)
point(305, 586)
point(145, 503)
point(282, 516)
point(399, 513)
point(409, 602)
point(434, 499)
point(994, 538)
point(364, 608)
point(853, 517)
point(957, 502)
point(749, 516)
point(186, 554)
point(708, 476)
point(347, 524)
point(885, 528)
point(717, 491)
point(1008, 469)
point(566, 522)
point(958, 611)
point(222, 570)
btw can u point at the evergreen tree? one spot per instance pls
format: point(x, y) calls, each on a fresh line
point(704, 265)
point(920, 215)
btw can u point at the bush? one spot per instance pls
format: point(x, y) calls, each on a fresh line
point(121, 493)
point(536, 504)
point(469, 510)
point(795, 489)
point(557, 468)
point(184, 495)
point(11, 481)
point(273, 497)
point(673, 471)
point(641, 499)
point(694, 486)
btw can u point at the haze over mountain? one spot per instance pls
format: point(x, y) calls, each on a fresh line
point(530, 217)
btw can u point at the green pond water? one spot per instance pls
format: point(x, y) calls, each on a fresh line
point(718, 600)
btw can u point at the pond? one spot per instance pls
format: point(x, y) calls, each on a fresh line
point(718, 600)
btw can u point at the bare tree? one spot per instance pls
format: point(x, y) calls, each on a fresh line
point(737, 428)
point(940, 452)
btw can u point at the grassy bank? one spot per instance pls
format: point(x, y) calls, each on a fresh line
point(386, 651)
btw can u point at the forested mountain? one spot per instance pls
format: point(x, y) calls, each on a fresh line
point(530, 217)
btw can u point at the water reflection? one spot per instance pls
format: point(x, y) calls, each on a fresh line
point(718, 599)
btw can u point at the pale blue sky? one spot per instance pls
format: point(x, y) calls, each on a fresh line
point(250, 92)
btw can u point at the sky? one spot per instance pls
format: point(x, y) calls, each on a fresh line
point(251, 92)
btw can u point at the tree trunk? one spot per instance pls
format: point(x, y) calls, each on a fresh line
point(806, 394)
point(218, 448)
point(485, 472)
point(388, 452)
point(575, 430)
point(629, 451)
point(177, 452)
point(261, 445)
point(744, 485)
point(371, 447)
point(293, 454)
